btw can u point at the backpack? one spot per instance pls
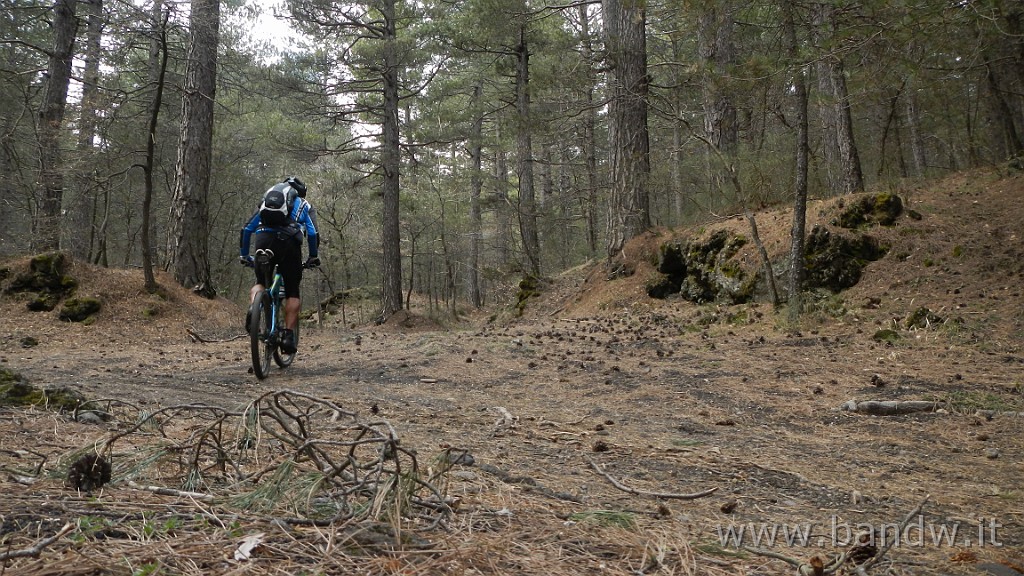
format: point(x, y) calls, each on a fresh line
point(276, 206)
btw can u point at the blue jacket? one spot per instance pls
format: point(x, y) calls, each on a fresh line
point(303, 215)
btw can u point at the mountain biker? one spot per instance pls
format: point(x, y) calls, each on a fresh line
point(281, 240)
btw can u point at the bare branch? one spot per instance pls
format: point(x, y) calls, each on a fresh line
point(637, 492)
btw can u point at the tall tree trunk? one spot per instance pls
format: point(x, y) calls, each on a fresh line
point(157, 72)
point(1007, 141)
point(798, 231)
point(716, 51)
point(82, 216)
point(476, 184)
point(913, 117)
point(392, 265)
point(502, 211)
point(849, 158)
point(676, 155)
point(51, 122)
point(589, 143)
point(524, 158)
point(625, 37)
point(189, 234)
point(841, 156)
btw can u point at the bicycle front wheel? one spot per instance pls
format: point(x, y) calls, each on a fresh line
point(260, 326)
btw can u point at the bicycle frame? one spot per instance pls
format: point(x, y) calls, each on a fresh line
point(276, 290)
point(267, 313)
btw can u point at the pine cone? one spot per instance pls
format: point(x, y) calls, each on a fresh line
point(89, 472)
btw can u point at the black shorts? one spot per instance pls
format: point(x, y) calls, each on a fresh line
point(287, 246)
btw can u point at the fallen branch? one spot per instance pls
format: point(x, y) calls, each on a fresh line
point(862, 570)
point(813, 567)
point(891, 407)
point(528, 483)
point(816, 566)
point(35, 551)
point(170, 491)
point(196, 337)
point(634, 491)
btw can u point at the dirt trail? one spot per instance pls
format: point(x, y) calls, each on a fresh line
point(664, 397)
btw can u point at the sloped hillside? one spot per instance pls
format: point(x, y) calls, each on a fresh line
point(600, 431)
point(957, 249)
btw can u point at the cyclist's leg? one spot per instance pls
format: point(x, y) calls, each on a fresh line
point(261, 241)
point(288, 255)
point(290, 266)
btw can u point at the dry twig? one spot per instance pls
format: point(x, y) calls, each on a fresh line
point(637, 492)
point(37, 549)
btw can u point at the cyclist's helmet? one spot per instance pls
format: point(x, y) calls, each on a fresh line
point(297, 184)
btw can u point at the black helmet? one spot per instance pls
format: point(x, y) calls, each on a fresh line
point(297, 184)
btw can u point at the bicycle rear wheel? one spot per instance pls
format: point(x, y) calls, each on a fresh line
point(285, 360)
point(259, 334)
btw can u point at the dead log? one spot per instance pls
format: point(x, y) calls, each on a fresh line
point(891, 407)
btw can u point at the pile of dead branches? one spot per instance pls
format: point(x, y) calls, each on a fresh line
point(289, 455)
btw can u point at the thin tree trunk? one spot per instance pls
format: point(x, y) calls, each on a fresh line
point(676, 155)
point(503, 235)
point(51, 122)
point(524, 154)
point(799, 228)
point(589, 140)
point(158, 70)
point(917, 145)
point(476, 184)
point(82, 216)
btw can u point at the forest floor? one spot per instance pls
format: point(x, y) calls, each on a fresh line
point(594, 421)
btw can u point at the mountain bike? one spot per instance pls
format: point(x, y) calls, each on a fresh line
point(265, 321)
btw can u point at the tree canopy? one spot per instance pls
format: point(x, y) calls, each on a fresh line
point(454, 147)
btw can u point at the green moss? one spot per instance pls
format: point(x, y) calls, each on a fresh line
point(43, 303)
point(887, 335)
point(958, 251)
point(47, 279)
point(529, 287)
point(79, 309)
point(922, 318)
point(972, 400)
point(731, 269)
point(661, 287)
point(16, 391)
point(606, 518)
point(881, 209)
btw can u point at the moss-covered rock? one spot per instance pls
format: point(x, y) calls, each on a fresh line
point(836, 261)
point(703, 271)
point(922, 318)
point(887, 336)
point(529, 287)
point(16, 391)
point(79, 309)
point(871, 209)
point(47, 278)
